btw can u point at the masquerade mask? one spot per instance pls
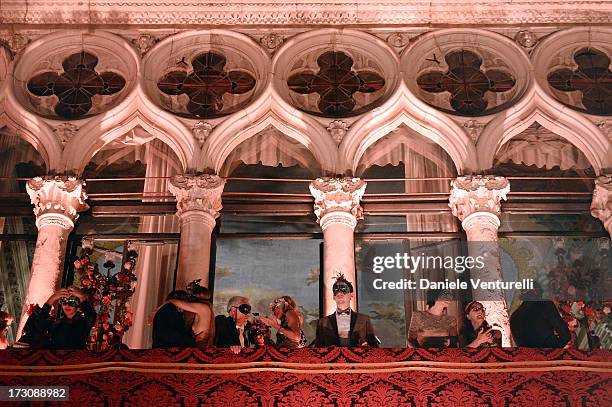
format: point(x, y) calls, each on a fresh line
point(72, 301)
point(341, 288)
point(244, 309)
point(477, 308)
point(279, 302)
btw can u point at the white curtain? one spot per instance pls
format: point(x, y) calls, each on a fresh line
point(270, 147)
point(14, 261)
point(156, 261)
point(542, 148)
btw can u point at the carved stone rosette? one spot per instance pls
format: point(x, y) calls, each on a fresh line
point(57, 200)
point(197, 193)
point(601, 205)
point(337, 200)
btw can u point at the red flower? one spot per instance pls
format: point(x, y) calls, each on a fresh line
point(85, 282)
point(105, 326)
point(566, 308)
point(106, 299)
point(588, 311)
point(84, 261)
point(580, 304)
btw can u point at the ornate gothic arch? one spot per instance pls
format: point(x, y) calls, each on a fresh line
point(32, 129)
point(269, 110)
point(405, 108)
point(135, 110)
point(538, 106)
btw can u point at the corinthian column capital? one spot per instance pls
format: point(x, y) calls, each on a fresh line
point(479, 193)
point(200, 193)
point(337, 200)
point(601, 204)
point(57, 200)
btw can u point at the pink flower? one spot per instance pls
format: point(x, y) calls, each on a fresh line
point(606, 310)
point(77, 264)
point(580, 304)
point(128, 265)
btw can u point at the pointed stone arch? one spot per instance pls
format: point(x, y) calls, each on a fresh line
point(405, 108)
point(34, 130)
point(270, 111)
point(136, 110)
point(539, 107)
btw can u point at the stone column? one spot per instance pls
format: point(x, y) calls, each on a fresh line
point(57, 201)
point(476, 201)
point(601, 205)
point(198, 203)
point(337, 209)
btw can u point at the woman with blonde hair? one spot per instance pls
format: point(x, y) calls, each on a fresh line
point(287, 320)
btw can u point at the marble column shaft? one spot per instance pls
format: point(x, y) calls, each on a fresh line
point(476, 201)
point(198, 203)
point(57, 201)
point(337, 207)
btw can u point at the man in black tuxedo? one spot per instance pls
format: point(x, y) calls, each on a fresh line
point(169, 327)
point(231, 331)
point(345, 327)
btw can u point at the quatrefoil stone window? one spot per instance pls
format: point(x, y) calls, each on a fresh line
point(336, 83)
point(206, 84)
point(77, 85)
point(592, 78)
point(466, 82)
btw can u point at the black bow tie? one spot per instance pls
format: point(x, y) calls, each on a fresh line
point(344, 312)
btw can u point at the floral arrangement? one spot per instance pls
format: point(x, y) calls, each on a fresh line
point(575, 278)
point(259, 333)
point(587, 315)
point(111, 294)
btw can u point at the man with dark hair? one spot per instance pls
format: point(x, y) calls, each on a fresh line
point(345, 327)
point(169, 327)
point(536, 323)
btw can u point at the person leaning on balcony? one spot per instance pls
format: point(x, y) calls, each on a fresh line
point(345, 327)
point(536, 323)
point(69, 330)
point(231, 331)
point(434, 328)
point(287, 320)
point(169, 327)
point(476, 331)
point(6, 320)
point(198, 313)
